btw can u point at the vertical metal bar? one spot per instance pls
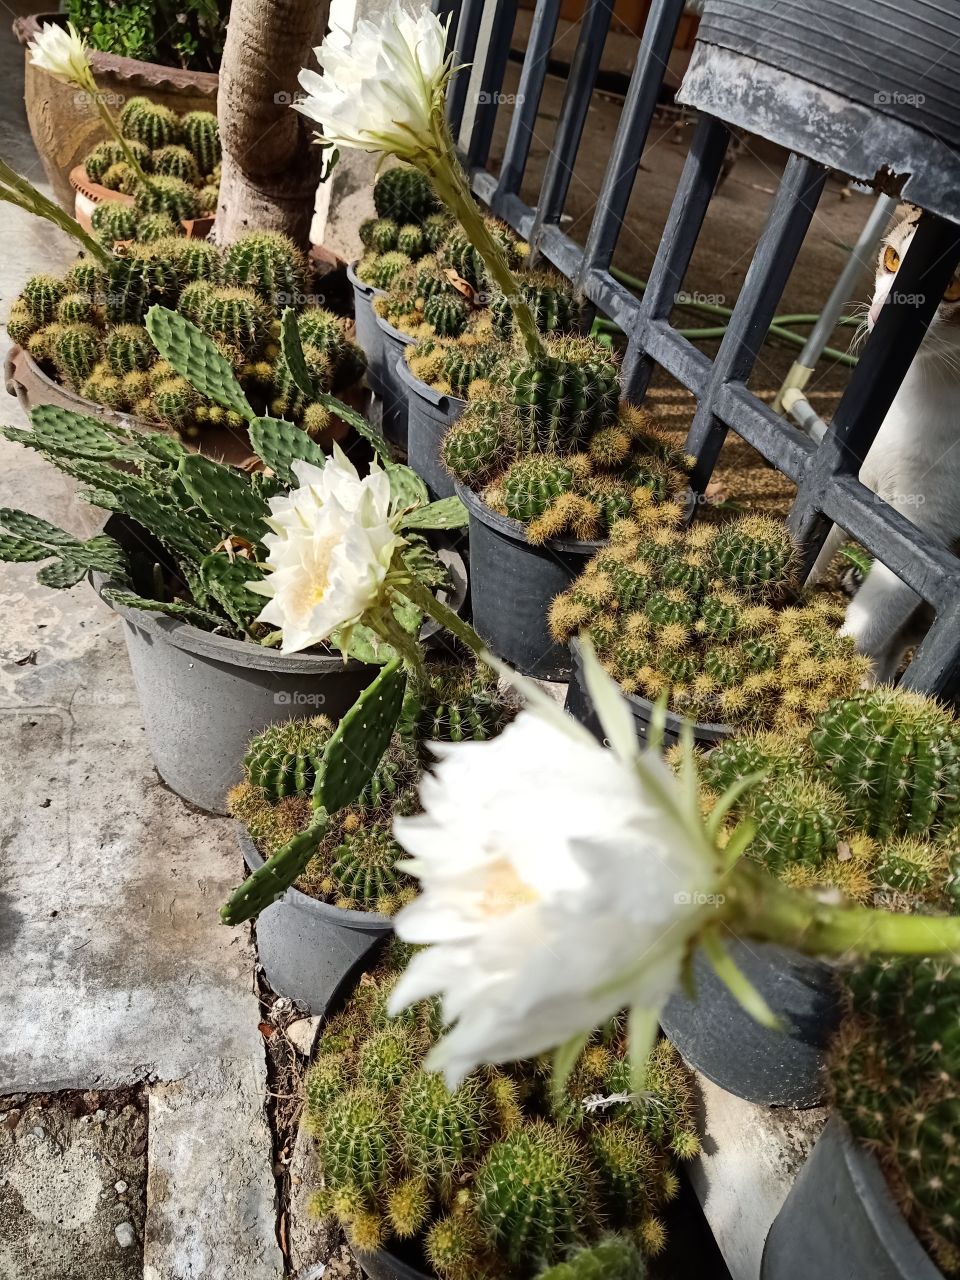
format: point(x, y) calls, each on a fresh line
point(573, 115)
point(684, 221)
point(793, 207)
point(529, 92)
point(491, 82)
point(935, 668)
point(659, 33)
point(468, 28)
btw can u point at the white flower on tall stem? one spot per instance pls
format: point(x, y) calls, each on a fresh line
point(561, 882)
point(332, 543)
point(62, 52)
point(383, 89)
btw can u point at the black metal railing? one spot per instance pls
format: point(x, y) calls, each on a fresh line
point(825, 474)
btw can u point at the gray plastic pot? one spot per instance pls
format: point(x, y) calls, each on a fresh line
point(204, 696)
point(840, 1221)
point(512, 584)
point(429, 417)
point(393, 394)
point(717, 1036)
point(368, 332)
point(580, 706)
point(310, 949)
point(382, 1265)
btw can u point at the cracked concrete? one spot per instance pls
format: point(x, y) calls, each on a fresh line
point(117, 970)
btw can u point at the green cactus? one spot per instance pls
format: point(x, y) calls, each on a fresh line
point(85, 277)
point(404, 195)
point(395, 775)
point(289, 401)
point(551, 301)
point(615, 1258)
point(271, 265)
point(157, 227)
point(382, 269)
point(21, 325)
point(454, 1248)
point(176, 162)
point(194, 298)
point(357, 1142)
point(201, 133)
point(479, 444)
point(411, 241)
point(629, 1170)
point(756, 555)
point(129, 349)
point(909, 866)
point(285, 758)
point(174, 402)
point(459, 253)
point(209, 198)
point(535, 1194)
point(194, 260)
point(443, 1132)
point(447, 314)
point(76, 352)
point(360, 739)
point(382, 235)
point(76, 308)
point(108, 153)
point(364, 873)
point(564, 395)
point(150, 123)
point(279, 444)
point(42, 295)
point(169, 195)
point(136, 284)
point(387, 1059)
point(798, 819)
point(120, 177)
point(326, 1080)
point(237, 317)
point(532, 484)
point(436, 228)
point(464, 365)
point(459, 704)
point(112, 221)
point(895, 758)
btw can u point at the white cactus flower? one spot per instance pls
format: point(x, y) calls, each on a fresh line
point(332, 544)
point(561, 882)
point(382, 83)
point(62, 52)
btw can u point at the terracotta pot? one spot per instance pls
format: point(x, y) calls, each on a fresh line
point(65, 127)
point(87, 195)
point(32, 387)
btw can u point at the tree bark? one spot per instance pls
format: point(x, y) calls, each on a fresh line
point(271, 165)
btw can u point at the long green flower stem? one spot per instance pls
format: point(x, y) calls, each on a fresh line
point(441, 166)
point(18, 191)
point(106, 115)
point(758, 906)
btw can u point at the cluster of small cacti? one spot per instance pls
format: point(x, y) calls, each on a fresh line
point(235, 296)
point(558, 453)
point(180, 157)
point(691, 615)
point(505, 1174)
point(354, 867)
point(867, 801)
point(893, 1071)
point(410, 223)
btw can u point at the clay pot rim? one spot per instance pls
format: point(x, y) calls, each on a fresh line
point(146, 75)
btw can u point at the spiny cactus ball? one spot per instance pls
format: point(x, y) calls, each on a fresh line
point(757, 555)
point(284, 759)
point(155, 227)
point(364, 873)
point(201, 134)
point(176, 162)
point(76, 351)
point(150, 123)
point(236, 317)
point(270, 264)
point(112, 221)
point(42, 296)
point(167, 195)
point(405, 195)
point(615, 1258)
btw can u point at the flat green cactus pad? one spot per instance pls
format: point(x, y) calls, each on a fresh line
point(225, 495)
point(196, 358)
point(360, 739)
point(274, 878)
point(279, 444)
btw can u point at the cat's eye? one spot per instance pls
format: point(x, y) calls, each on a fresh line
point(952, 292)
point(891, 259)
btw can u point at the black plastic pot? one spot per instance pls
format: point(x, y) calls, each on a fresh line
point(368, 332)
point(840, 1221)
point(384, 1266)
point(512, 584)
point(393, 393)
point(717, 1036)
point(310, 949)
point(429, 416)
point(581, 708)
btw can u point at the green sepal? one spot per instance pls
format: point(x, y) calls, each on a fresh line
point(197, 358)
point(360, 739)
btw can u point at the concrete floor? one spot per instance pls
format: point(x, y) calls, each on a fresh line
point(117, 972)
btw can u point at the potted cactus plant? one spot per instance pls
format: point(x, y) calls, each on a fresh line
point(509, 1170)
point(698, 617)
point(865, 805)
point(82, 343)
point(326, 926)
point(881, 1181)
point(188, 581)
point(180, 158)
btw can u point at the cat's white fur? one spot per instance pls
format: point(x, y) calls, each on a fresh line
point(914, 465)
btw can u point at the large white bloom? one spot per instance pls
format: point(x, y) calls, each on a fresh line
point(380, 83)
point(62, 52)
point(332, 543)
point(561, 882)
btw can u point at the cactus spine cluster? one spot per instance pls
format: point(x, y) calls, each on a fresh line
point(863, 801)
point(893, 1069)
point(686, 614)
point(283, 760)
point(454, 704)
point(497, 1176)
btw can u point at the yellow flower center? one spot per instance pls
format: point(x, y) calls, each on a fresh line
point(504, 891)
point(316, 583)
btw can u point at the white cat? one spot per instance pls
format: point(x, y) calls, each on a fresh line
point(913, 464)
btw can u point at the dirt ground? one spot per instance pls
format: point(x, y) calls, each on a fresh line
point(731, 230)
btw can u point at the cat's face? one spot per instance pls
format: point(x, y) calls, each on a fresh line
point(946, 321)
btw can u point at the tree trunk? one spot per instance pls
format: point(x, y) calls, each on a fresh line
point(271, 166)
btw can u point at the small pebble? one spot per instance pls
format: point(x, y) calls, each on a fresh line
point(120, 1187)
point(39, 1132)
point(126, 1236)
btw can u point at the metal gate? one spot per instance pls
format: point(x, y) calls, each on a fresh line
point(826, 474)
